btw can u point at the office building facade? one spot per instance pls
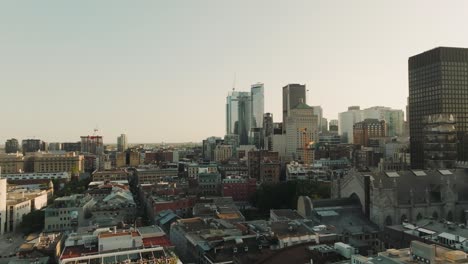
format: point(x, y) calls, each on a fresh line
point(122, 143)
point(438, 84)
point(293, 94)
point(258, 104)
point(12, 146)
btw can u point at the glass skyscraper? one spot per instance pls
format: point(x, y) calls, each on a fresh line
point(258, 105)
point(239, 115)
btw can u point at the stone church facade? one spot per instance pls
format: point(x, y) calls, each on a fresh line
point(389, 198)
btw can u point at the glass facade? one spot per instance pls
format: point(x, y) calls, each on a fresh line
point(438, 84)
point(232, 110)
point(258, 106)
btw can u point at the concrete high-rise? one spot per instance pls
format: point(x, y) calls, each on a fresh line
point(438, 85)
point(301, 131)
point(92, 144)
point(258, 104)
point(293, 94)
point(33, 145)
point(12, 146)
point(122, 143)
point(267, 131)
point(232, 110)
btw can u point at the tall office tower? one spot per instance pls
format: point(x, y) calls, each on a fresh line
point(293, 94)
point(301, 131)
point(92, 144)
point(12, 146)
point(267, 131)
point(122, 143)
point(438, 84)
point(244, 117)
point(258, 106)
point(318, 111)
point(232, 110)
point(71, 146)
point(324, 125)
point(346, 120)
point(33, 145)
point(54, 146)
point(209, 146)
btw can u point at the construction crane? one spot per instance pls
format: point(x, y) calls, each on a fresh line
point(307, 143)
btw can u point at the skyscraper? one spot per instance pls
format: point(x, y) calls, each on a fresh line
point(12, 146)
point(438, 84)
point(122, 143)
point(293, 94)
point(232, 110)
point(267, 131)
point(32, 145)
point(301, 131)
point(243, 124)
point(258, 106)
point(92, 144)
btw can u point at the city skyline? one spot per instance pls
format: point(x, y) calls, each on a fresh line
point(69, 68)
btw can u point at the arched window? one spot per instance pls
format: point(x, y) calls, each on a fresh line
point(388, 220)
point(449, 216)
point(419, 216)
point(403, 218)
point(463, 217)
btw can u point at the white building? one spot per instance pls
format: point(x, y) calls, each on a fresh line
point(279, 145)
point(301, 131)
point(16, 208)
point(393, 117)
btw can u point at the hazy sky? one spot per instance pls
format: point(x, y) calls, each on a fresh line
point(160, 70)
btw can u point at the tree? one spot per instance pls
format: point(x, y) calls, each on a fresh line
point(284, 195)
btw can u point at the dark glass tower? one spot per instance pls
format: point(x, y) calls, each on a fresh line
point(438, 84)
point(293, 94)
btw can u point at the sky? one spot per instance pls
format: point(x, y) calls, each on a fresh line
point(159, 71)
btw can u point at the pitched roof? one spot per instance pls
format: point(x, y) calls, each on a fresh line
point(302, 106)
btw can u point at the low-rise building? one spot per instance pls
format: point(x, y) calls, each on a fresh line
point(110, 175)
point(48, 162)
point(155, 174)
point(44, 245)
point(223, 152)
point(209, 183)
point(68, 213)
point(296, 171)
point(418, 252)
point(41, 177)
point(21, 202)
point(12, 163)
point(218, 207)
point(239, 188)
point(106, 245)
point(16, 209)
point(194, 169)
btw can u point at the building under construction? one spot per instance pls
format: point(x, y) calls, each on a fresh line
point(92, 144)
